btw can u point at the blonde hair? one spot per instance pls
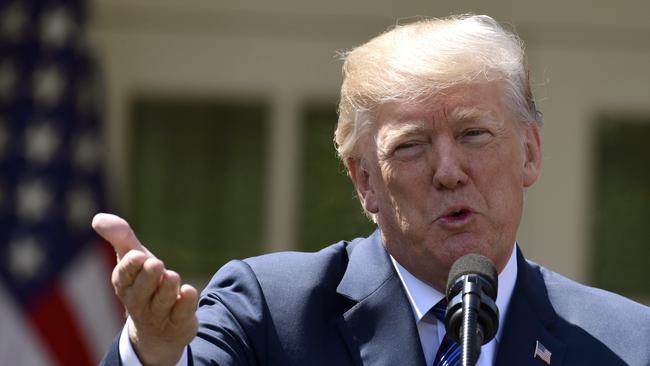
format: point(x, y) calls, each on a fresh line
point(411, 62)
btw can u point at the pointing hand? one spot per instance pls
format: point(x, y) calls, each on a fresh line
point(162, 312)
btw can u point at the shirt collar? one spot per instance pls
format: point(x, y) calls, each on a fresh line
point(423, 297)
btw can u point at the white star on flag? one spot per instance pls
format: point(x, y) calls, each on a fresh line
point(25, 258)
point(56, 27)
point(87, 151)
point(41, 142)
point(13, 21)
point(34, 200)
point(48, 85)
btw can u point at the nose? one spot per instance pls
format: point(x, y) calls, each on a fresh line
point(447, 164)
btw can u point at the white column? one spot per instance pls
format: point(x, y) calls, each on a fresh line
point(282, 173)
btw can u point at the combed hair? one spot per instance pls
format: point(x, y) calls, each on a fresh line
point(414, 61)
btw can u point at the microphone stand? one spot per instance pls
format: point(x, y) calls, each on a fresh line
point(472, 317)
point(471, 337)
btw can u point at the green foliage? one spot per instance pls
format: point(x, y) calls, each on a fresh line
point(197, 181)
point(330, 210)
point(622, 206)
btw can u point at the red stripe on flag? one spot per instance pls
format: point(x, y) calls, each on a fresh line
point(54, 322)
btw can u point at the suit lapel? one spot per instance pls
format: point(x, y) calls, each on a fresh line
point(379, 329)
point(529, 318)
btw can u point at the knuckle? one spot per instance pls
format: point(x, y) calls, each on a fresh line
point(154, 265)
point(162, 303)
point(173, 279)
point(115, 278)
point(118, 282)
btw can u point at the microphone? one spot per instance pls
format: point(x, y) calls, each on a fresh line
point(472, 317)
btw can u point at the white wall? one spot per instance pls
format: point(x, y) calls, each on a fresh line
point(587, 57)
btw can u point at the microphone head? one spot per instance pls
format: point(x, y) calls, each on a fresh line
point(475, 264)
point(472, 283)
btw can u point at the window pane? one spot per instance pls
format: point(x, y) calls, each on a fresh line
point(330, 210)
point(197, 181)
point(622, 206)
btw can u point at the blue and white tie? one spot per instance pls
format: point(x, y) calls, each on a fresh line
point(449, 351)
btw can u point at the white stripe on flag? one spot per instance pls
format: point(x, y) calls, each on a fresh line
point(16, 335)
point(86, 284)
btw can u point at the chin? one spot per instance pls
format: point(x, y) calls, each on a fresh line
point(451, 250)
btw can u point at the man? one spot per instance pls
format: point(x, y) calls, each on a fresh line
point(440, 135)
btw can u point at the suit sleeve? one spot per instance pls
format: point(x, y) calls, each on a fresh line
point(233, 319)
point(112, 357)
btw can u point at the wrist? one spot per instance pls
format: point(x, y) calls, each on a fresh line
point(153, 351)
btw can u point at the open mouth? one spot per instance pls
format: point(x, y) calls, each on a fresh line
point(457, 217)
point(459, 213)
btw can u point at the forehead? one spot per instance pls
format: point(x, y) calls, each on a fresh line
point(463, 102)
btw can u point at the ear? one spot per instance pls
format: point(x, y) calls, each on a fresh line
point(363, 185)
point(533, 151)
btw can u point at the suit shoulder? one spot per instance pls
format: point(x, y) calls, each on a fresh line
point(288, 271)
point(279, 272)
point(612, 318)
point(571, 297)
point(306, 265)
point(309, 273)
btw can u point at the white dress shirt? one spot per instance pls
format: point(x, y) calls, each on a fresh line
point(431, 330)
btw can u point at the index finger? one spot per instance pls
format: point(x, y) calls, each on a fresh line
point(118, 233)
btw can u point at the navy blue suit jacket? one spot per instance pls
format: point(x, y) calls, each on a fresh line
point(345, 305)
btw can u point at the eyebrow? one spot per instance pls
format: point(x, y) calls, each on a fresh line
point(458, 114)
point(461, 114)
point(386, 141)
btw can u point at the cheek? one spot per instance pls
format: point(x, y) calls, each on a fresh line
point(405, 191)
point(505, 197)
point(500, 181)
point(400, 173)
point(407, 182)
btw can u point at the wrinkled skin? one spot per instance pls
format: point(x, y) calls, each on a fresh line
point(446, 176)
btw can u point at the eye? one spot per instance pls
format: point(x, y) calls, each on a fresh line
point(406, 145)
point(475, 133)
point(475, 136)
point(408, 150)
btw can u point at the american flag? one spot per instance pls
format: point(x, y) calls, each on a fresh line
point(56, 304)
point(542, 353)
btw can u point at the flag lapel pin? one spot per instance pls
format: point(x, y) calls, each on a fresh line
point(542, 353)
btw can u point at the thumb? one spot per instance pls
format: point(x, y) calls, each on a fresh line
point(118, 233)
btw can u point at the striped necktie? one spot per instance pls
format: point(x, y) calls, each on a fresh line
point(449, 351)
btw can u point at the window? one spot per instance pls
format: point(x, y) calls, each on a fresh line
point(621, 225)
point(329, 210)
point(197, 181)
